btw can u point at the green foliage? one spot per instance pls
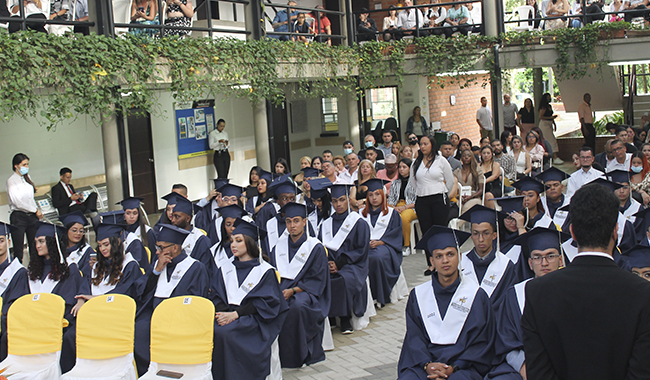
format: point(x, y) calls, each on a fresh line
point(616, 118)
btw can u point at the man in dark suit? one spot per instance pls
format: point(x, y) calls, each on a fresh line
point(590, 320)
point(66, 200)
point(602, 158)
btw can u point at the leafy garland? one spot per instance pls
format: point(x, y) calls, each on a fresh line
point(56, 78)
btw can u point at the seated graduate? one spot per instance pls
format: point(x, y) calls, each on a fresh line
point(638, 261)
point(449, 320)
point(173, 273)
point(484, 263)
point(78, 250)
point(250, 310)
point(135, 247)
point(284, 191)
point(115, 271)
point(543, 249)
point(533, 214)
point(14, 282)
point(629, 206)
point(553, 197)
point(135, 225)
point(385, 254)
point(642, 227)
point(208, 206)
point(322, 200)
point(346, 238)
point(301, 261)
point(221, 251)
point(308, 173)
point(229, 196)
point(263, 197)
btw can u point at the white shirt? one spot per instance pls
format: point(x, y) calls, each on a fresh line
point(345, 177)
point(580, 178)
point(215, 136)
point(614, 164)
point(436, 179)
point(20, 194)
point(484, 115)
point(438, 16)
point(601, 254)
point(406, 18)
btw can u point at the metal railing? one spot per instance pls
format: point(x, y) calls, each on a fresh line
point(316, 26)
point(584, 18)
point(25, 22)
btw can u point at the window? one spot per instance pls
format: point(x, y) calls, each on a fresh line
point(383, 105)
point(330, 111)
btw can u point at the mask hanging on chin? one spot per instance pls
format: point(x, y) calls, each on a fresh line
point(636, 169)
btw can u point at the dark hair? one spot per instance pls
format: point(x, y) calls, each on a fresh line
point(504, 138)
point(65, 240)
point(465, 140)
point(18, 158)
point(475, 148)
point(408, 135)
point(364, 10)
point(326, 208)
point(543, 102)
point(327, 151)
point(534, 134)
point(224, 234)
point(432, 155)
point(371, 148)
point(179, 186)
point(37, 263)
point(407, 162)
point(252, 248)
point(319, 158)
point(255, 169)
point(621, 128)
point(594, 213)
point(221, 121)
point(64, 171)
point(282, 162)
point(446, 142)
point(346, 142)
point(114, 269)
point(392, 7)
point(586, 148)
point(491, 151)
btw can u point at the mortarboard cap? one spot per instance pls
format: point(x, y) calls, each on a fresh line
point(114, 217)
point(319, 187)
point(293, 209)
point(181, 203)
point(231, 211)
point(130, 203)
point(230, 190)
point(284, 185)
point(541, 238)
point(106, 230)
point(510, 204)
point(528, 184)
point(74, 217)
point(249, 229)
point(552, 174)
point(267, 176)
point(438, 237)
point(6, 228)
point(340, 190)
point(49, 229)
point(480, 214)
point(309, 172)
point(619, 176)
point(171, 198)
point(218, 182)
point(637, 257)
point(375, 184)
point(608, 184)
point(171, 234)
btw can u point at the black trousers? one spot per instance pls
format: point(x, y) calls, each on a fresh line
point(25, 224)
point(33, 25)
point(221, 161)
point(642, 11)
point(432, 210)
point(589, 132)
point(88, 205)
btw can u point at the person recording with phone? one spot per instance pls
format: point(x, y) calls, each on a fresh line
point(67, 200)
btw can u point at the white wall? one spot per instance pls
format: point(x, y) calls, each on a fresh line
point(414, 92)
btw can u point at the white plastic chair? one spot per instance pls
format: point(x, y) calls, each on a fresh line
point(328, 341)
point(122, 14)
point(524, 13)
point(401, 288)
point(415, 224)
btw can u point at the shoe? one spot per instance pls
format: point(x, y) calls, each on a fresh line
point(346, 326)
point(557, 161)
point(427, 272)
point(406, 251)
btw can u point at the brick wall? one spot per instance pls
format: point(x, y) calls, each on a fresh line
point(461, 117)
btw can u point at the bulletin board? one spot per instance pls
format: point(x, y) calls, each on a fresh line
point(193, 125)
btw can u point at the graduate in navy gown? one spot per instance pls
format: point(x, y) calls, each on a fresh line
point(135, 225)
point(449, 320)
point(533, 214)
point(221, 251)
point(638, 261)
point(386, 241)
point(642, 227)
point(301, 261)
point(230, 195)
point(115, 272)
point(284, 191)
point(250, 310)
point(173, 273)
point(553, 198)
point(78, 250)
point(208, 213)
point(321, 199)
point(629, 206)
point(256, 203)
point(346, 237)
point(484, 263)
point(543, 247)
point(14, 275)
point(134, 246)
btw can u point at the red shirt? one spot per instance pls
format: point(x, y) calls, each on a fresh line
point(324, 22)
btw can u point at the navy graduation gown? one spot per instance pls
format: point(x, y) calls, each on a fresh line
point(473, 350)
point(201, 251)
point(242, 348)
point(206, 215)
point(151, 237)
point(266, 212)
point(349, 289)
point(213, 230)
point(384, 261)
point(16, 287)
point(80, 255)
point(301, 336)
point(508, 279)
point(136, 249)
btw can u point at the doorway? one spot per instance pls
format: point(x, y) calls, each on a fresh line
point(278, 132)
point(142, 163)
point(380, 112)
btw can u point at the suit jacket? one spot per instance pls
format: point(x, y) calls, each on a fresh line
point(601, 158)
point(590, 320)
point(60, 198)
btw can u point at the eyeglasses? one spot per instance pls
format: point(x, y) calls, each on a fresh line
point(160, 248)
point(549, 258)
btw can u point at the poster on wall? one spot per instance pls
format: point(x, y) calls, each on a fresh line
point(193, 125)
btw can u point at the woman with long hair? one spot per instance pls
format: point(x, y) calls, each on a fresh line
point(253, 180)
point(246, 322)
point(281, 167)
point(432, 179)
point(25, 214)
point(317, 162)
point(639, 179)
point(547, 124)
point(548, 149)
point(506, 139)
point(406, 152)
point(526, 117)
point(390, 28)
point(255, 204)
point(417, 122)
point(358, 191)
point(470, 174)
point(492, 173)
point(395, 148)
point(221, 251)
point(535, 150)
point(533, 214)
point(386, 239)
point(523, 162)
point(402, 199)
point(136, 227)
point(463, 144)
point(78, 250)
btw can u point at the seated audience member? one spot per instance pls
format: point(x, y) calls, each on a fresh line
point(556, 9)
point(77, 249)
point(221, 251)
point(255, 204)
point(409, 21)
point(446, 151)
point(305, 162)
point(254, 178)
point(173, 273)
point(316, 163)
point(348, 147)
point(390, 28)
point(395, 149)
point(144, 12)
point(179, 13)
point(350, 175)
point(389, 172)
point(339, 164)
point(369, 141)
point(327, 155)
point(535, 150)
point(450, 326)
point(230, 195)
point(280, 168)
point(358, 192)
point(325, 26)
point(463, 144)
point(402, 198)
point(604, 157)
point(492, 173)
point(251, 310)
point(384, 256)
point(386, 147)
point(372, 155)
point(346, 238)
point(623, 135)
point(622, 160)
point(66, 200)
point(476, 150)
point(470, 175)
point(366, 27)
point(435, 17)
point(553, 198)
point(639, 179)
point(301, 261)
point(34, 11)
point(283, 20)
point(322, 201)
point(638, 261)
point(475, 17)
point(136, 248)
point(505, 161)
point(542, 246)
point(414, 144)
point(456, 21)
point(304, 30)
point(406, 152)
point(585, 174)
point(14, 275)
point(136, 228)
point(329, 171)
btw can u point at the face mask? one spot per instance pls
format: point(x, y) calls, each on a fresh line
point(413, 142)
point(24, 170)
point(369, 144)
point(637, 169)
point(347, 151)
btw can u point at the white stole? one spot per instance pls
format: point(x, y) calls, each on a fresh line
point(290, 269)
point(235, 292)
point(220, 256)
point(8, 274)
point(560, 216)
point(494, 272)
point(621, 227)
point(191, 239)
point(633, 209)
point(445, 331)
point(313, 220)
point(217, 226)
point(569, 250)
point(545, 221)
point(521, 294)
point(272, 232)
point(76, 255)
point(514, 253)
point(335, 242)
point(379, 229)
point(104, 287)
point(163, 288)
point(36, 286)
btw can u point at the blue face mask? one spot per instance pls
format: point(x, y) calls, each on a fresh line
point(637, 169)
point(23, 170)
point(347, 151)
point(369, 144)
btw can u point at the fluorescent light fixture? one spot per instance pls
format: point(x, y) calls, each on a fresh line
point(626, 63)
point(471, 72)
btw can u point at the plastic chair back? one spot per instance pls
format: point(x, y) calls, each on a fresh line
point(34, 324)
point(525, 12)
point(191, 344)
point(105, 327)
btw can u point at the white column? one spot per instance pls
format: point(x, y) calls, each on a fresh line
point(112, 159)
point(260, 120)
point(353, 119)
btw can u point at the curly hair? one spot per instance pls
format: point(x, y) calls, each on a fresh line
point(37, 263)
point(114, 269)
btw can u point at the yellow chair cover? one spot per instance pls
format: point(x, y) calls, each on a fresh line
point(35, 324)
point(105, 327)
point(182, 331)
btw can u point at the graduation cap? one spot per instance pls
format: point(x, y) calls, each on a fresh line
point(319, 187)
point(608, 184)
point(310, 172)
point(171, 198)
point(247, 228)
point(54, 231)
point(293, 209)
point(528, 184)
point(218, 182)
point(171, 234)
point(438, 237)
point(114, 217)
point(552, 174)
point(480, 214)
point(375, 184)
point(130, 203)
point(284, 185)
point(232, 211)
point(643, 217)
point(510, 204)
point(281, 177)
point(6, 228)
point(267, 176)
point(107, 230)
point(541, 238)
point(339, 190)
point(230, 190)
point(181, 203)
point(619, 176)
point(74, 217)
point(637, 257)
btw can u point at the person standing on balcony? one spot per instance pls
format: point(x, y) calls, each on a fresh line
point(556, 8)
point(283, 20)
point(409, 18)
point(219, 143)
point(179, 13)
point(484, 119)
point(586, 116)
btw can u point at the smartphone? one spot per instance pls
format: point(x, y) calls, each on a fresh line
point(141, 9)
point(169, 374)
point(93, 255)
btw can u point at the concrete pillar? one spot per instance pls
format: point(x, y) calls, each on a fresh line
point(538, 87)
point(112, 160)
point(252, 17)
point(262, 149)
point(353, 118)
